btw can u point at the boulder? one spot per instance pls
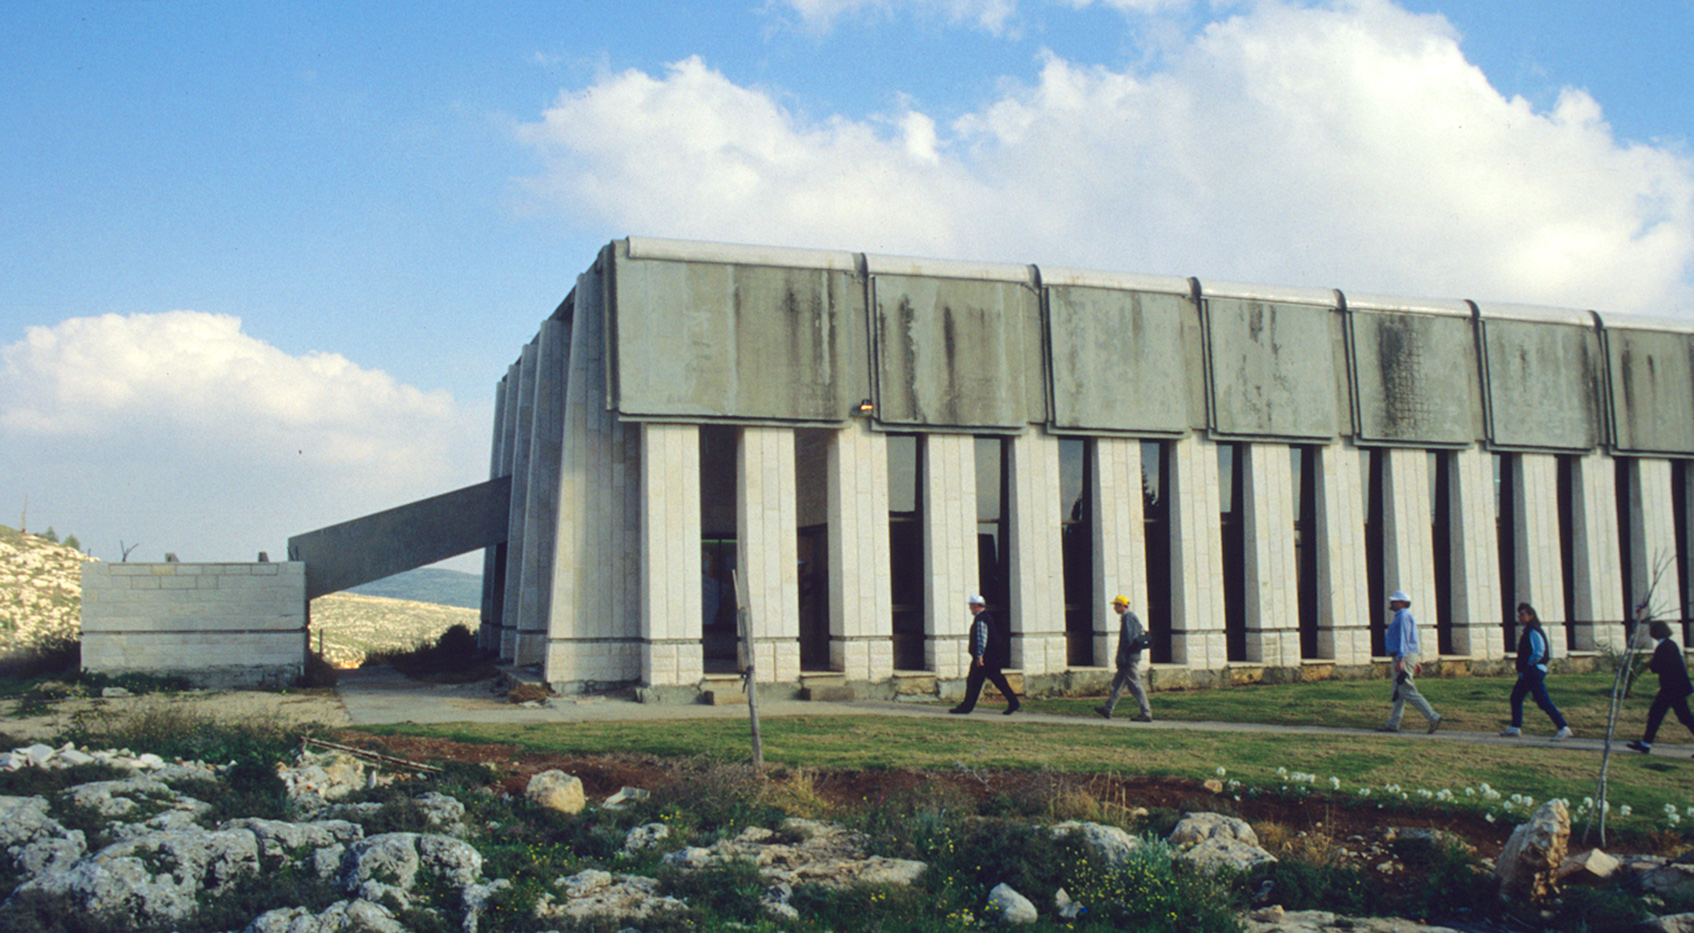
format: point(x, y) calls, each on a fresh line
point(1587, 868)
point(1108, 843)
point(1532, 856)
point(557, 790)
point(1671, 881)
point(388, 865)
point(595, 893)
point(1215, 842)
point(1008, 906)
point(646, 836)
point(340, 917)
point(1198, 827)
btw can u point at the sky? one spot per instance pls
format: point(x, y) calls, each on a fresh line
point(262, 264)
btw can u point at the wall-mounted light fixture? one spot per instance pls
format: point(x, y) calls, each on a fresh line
point(865, 407)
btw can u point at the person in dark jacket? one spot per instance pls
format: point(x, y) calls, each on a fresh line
point(1533, 653)
point(987, 658)
point(1132, 640)
point(1674, 687)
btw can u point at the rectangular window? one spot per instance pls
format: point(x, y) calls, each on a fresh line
point(718, 634)
point(1155, 525)
point(905, 549)
point(1230, 496)
point(991, 453)
point(1076, 531)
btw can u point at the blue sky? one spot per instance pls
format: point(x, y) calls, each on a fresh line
point(261, 264)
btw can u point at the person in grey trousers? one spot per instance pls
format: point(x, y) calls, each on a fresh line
point(1132, 640)
point(1402, 645)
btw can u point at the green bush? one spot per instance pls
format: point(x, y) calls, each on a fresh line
point(1301, 885)
point(1150, 891)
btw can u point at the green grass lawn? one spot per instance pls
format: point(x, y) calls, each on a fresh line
point(1361, 762)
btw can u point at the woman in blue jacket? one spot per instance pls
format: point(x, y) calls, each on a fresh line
point(1532, 675)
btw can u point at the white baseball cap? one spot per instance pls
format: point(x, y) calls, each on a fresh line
point(977, 601)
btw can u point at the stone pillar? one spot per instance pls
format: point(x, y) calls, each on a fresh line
point(767, 551)
point(594, 630)
point(670, 594)
point(1475, 559)
point(1197, 614)
point(1652, 537)
point(522, 435)
point(488, 635)
point(1408, 546)
point(1540, 557)
point(1344, 599)
point(1120, 542)
point(861, 613)
point(1272, 586)
point(1598, 603)
point(949, 549)
point(541, 507)
point(1035, 563)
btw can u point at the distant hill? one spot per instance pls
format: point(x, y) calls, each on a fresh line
point(429, 585)
point(40, 589)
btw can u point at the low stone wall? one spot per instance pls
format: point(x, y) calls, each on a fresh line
point(219, 625)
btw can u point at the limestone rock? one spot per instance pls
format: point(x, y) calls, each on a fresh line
point(388, 865)
point(1213, 842)
point(646, 836)
point(279, 842)
point(1587, 868)
point(1534, 853)
point(1109, 843)
point(1670, 923)
point(595, 893)
point(1009, 906)
point(1672, 881)
point(341, 917)
point(1197, 827)
point(557, 790)
point(1275, 920)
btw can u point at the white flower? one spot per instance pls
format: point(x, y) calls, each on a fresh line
point(1334, 782)
point(1282, 772)
point(1221, 771)
point(1624, 810)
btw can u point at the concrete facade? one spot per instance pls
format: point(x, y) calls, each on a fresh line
point(838, 426)
point(219, 625)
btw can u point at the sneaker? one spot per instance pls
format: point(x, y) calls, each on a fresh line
point(1563, 734)
point(1104, 712)
point(1385, 727)
point(1141, 717)
point(1434, 724)
point(1511, 731)
point(1641, 747)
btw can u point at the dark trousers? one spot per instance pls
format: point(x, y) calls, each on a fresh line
point(1534, 682)
point(973, 686)
point(1656, 714)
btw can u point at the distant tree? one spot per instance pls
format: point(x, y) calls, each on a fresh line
point(72, 543)
point(126, 549)
point(50, 535)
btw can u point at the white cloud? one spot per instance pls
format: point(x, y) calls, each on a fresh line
point(992, 16)
point(178, 427)
point(1348, 145)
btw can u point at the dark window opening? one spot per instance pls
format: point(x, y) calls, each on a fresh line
point(1230, 479)
point(1567, 548)
point(1505, 521)
point(1626, 553)
point(718, 635)
point(1304, 461)
point(1076, 531)
point(1441, 537)
point(1156, 540)
point(991, 501)
point(1375, 558)
point(905, 549)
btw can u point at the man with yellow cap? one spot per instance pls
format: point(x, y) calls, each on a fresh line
point(1132, 640)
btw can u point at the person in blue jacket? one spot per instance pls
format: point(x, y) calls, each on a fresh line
point(1532, 675)
point(1402, 644)
point(1674, 688)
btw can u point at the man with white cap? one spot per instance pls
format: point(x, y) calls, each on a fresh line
point(1132, 640)
point(1402, 645)
point(987, 658)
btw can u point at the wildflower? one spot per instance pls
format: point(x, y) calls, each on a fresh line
point(1624, 810)
point(1282, 772)
point(1334, 782)
point(1221, 771)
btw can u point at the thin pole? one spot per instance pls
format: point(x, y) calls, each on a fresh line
point(749, 683)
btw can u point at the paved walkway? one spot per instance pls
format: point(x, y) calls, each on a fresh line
point(381, 695)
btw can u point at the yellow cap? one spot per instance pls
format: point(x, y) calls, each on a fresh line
point(1120, 600)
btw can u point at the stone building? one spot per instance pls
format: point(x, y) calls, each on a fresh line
point(865, 440)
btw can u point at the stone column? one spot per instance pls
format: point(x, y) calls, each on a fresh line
point(1036, 560)
point(670, 594)
point(488, 635)
point(1540, 557)
point(767, 550)
point(1344, 600)
point(594, 630)
point(1197, 614)
point(1120, 540)
point(1598, 602)
point(541, 506)
point(1408, 547)
point(949, 549)
point(1652, 537)
point(861, 613)
point(1475, 559)
point(1272, 586)
point(522, 435)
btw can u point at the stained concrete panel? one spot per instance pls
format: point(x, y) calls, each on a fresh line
point(1415, 378)
point(951, 352)
point(1118, 360)
point(1273, 369)
point(700, 338)
point(1542, 384)
point(1652, 390)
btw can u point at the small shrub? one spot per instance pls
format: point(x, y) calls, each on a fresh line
point(1452, 883)
point(723, 890)
point(452, 658)
point(1301, 885)
point(1600, 910)
point(1150, 891)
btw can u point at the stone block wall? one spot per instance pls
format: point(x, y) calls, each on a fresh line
point(219, 625)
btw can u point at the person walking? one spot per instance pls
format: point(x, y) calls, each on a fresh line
point(987, 658)
point(1402, 644)
point(1132, 640)
point(1532, 675)
point(1674, 688)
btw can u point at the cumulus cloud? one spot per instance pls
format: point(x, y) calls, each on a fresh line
point(989, 15)
point(187, 430)
point(1348, 145)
